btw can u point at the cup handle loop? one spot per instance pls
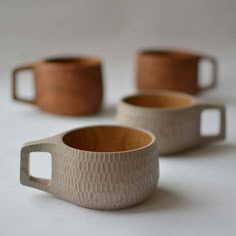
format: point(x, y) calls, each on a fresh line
point(14, 84)
point(25, 177)
point(214, 79)
point(222, 132)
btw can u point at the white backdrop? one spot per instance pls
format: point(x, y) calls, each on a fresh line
point(197, 189)
point(114, 30)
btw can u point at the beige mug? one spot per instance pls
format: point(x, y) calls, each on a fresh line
point(100, 167)
point(174, 117)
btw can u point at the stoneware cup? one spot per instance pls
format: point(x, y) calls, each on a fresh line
point(65, 86)
point(174, 117)
point(172, 70)
point(100, 167)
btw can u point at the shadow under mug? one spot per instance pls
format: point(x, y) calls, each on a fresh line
point(174, 117)
point(65, 86)
point(172, 70)
point(100, 167)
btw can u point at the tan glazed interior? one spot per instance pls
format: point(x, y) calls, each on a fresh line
point(107, 139)
point(159, 100)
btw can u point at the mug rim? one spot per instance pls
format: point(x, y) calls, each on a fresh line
point(79, 61)
point(144, 131)
point(168, 53)
point(192, 99)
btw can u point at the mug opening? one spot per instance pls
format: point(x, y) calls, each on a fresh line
point(83, 61)
point(107, 139)
point(161, 100)
point(168, 53)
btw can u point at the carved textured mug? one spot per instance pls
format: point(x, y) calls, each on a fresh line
point(175, 119)
point(101, 167)
point(66, 86)
point(172, 70)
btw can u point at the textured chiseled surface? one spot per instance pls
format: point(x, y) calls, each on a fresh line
point(100, 180)
point(176, 129)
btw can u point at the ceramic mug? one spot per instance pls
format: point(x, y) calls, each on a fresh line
point(65, 86)
point(174, 117)
point(100, 167)
point(172, 70)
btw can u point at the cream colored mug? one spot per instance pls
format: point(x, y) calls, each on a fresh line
point(174, 117)
point(100, 167)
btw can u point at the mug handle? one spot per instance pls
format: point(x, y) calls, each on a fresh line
point(14, 84)
point(25, 177)
point(214, 79)
point(221, 134)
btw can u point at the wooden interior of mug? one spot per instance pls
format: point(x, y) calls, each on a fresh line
point(107, 139)
point(82, 61)
point(160, 100)
point(168, 53)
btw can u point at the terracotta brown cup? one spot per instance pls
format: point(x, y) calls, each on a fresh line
point(175, 119)
point(65, 86)
point(172, 70)
point(100, 167)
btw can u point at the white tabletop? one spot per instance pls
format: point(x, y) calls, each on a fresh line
point(196, 194)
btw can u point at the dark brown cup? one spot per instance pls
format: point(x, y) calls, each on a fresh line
point(172, 70)
point(65, 86)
